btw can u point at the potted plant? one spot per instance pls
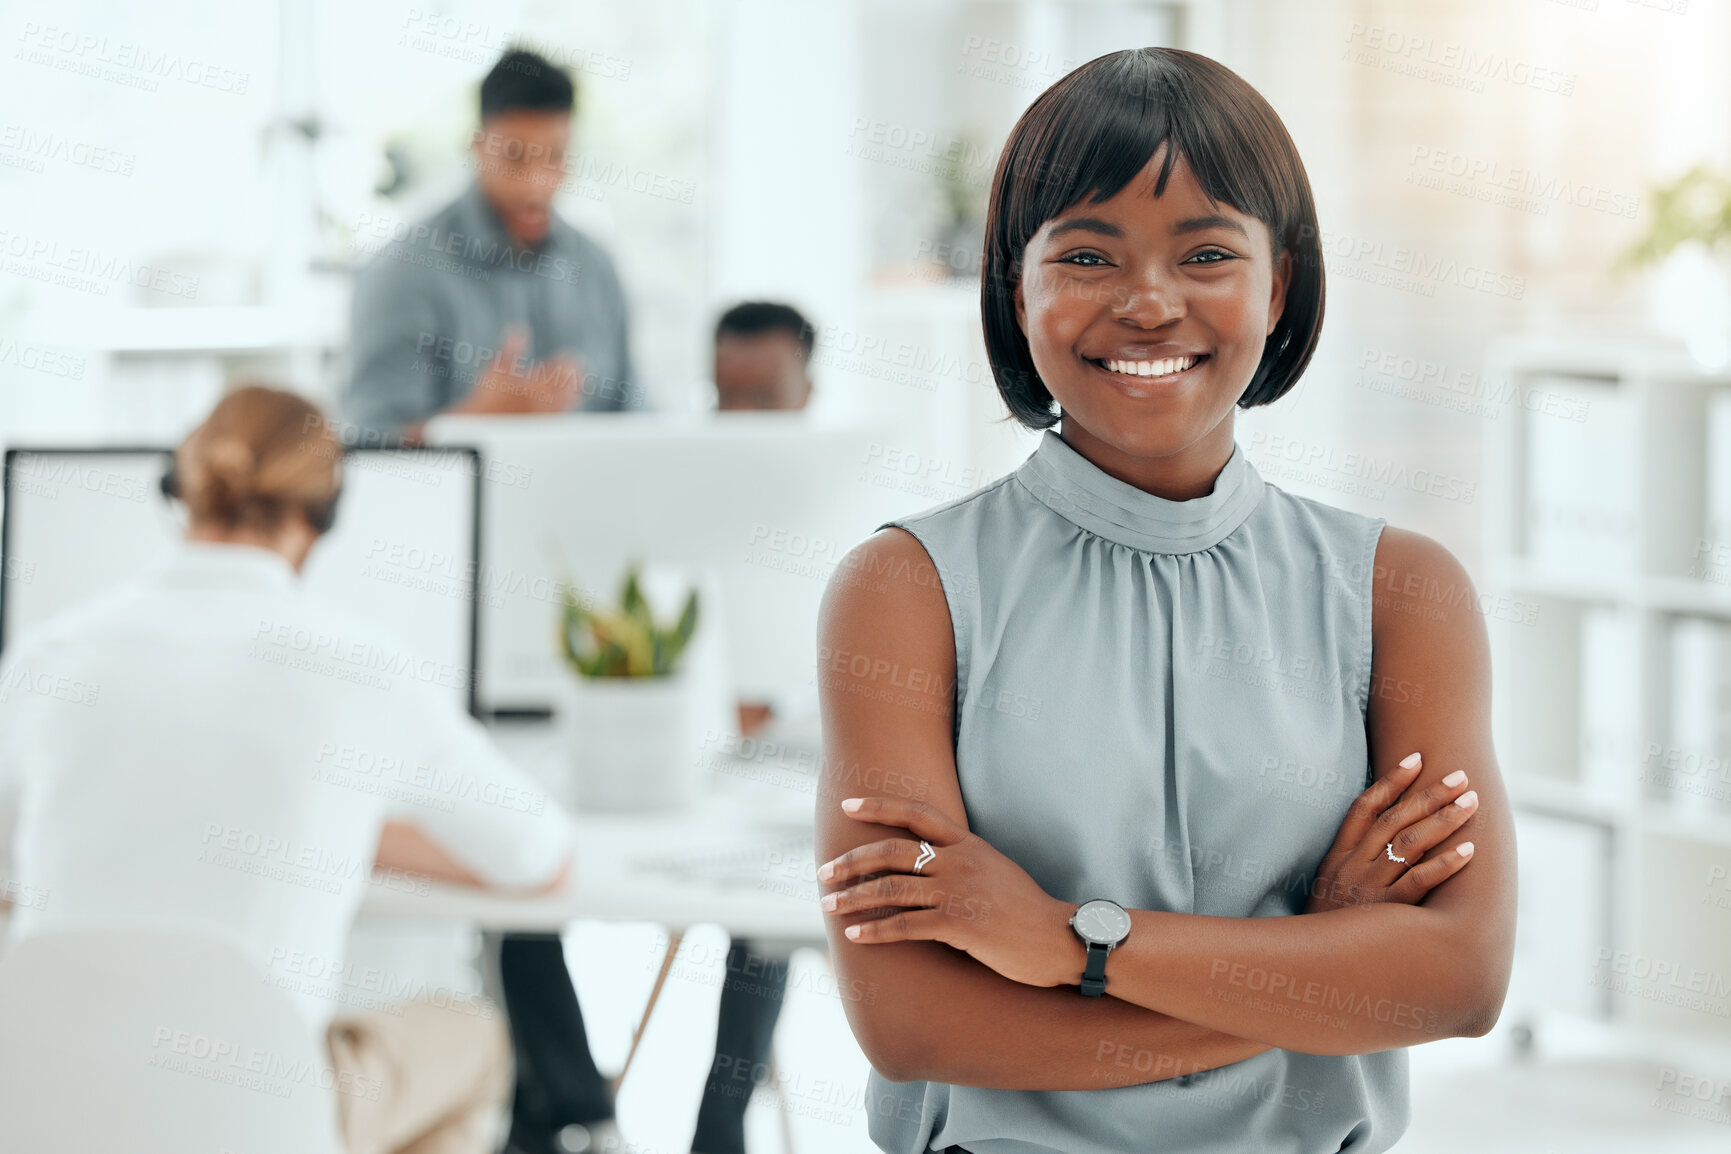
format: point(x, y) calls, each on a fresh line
point(1687, 246)
point(632, 714)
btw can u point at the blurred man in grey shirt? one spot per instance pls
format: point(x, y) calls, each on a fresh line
point(494, 304)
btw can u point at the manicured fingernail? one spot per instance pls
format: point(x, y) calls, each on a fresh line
point(1465, 849)
point(852, 804)
point(826, 871)
point(1455, 778)
point(852, 932)
point(1411, 760)
point(1468, 799)
point(828, 903)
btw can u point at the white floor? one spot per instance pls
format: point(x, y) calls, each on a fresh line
point(1469, 1095)
point(1578, 1091)
point(1575, 1094)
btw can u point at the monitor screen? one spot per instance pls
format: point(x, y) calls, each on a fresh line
point(78, 522)
point(765, 504)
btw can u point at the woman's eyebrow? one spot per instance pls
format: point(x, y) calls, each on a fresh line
point(1199, 223)
point(1086, 224)
point(1106, 228)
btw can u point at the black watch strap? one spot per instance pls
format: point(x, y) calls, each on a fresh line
point(1094, 974)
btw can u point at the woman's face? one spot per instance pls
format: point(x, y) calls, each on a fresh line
point(1146, 319)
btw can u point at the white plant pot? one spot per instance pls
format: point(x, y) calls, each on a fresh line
point(633, 741)
point(1689, 297)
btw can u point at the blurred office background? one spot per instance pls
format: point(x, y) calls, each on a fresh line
point(1527, 355)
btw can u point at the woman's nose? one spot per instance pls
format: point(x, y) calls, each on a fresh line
point(1147, 299)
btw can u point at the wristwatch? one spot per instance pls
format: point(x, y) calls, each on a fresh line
point(1102, 925)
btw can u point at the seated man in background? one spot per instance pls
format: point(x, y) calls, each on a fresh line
point(762, 358)
point(494, 304)
point(761, 355)
point(187, 796)
point(762, 363)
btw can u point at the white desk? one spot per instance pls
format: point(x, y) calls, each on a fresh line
point(739, 856)
point(729, 859)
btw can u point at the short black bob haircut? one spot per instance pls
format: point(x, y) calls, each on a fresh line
point(528, 82)
point(1088, 136)
point(754, 318)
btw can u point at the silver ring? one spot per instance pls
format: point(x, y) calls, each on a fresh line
point(927, 853)
point(1390, 852)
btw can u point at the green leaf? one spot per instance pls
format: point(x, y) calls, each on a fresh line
point(683, 631)
point(1694, 207)
point(626, 641)
point(631, 599)
point(687, 620)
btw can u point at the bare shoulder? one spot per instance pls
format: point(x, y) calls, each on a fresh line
point(1417, 579)
point(887, 587)
point(1428, 618)
point(1417, 555)
point(886, 673)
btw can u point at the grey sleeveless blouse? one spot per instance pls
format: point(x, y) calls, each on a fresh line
point(1162, 703)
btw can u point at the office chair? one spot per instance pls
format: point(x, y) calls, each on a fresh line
point(155, 1043)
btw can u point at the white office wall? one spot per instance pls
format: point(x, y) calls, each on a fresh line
point(785, 195)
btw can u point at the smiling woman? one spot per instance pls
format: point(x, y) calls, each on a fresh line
point(1253, 943)
point(1101, 130)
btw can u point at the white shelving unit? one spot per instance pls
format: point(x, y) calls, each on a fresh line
point(161, 369)
point(1587, 692)
point(218, 331)
point(156, 369)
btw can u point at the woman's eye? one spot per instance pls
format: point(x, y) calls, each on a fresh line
point(1085, 259)
point(1219, 253)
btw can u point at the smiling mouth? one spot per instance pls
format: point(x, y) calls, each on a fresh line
point(1157, 370)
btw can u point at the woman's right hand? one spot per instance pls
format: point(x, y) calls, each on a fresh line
point(1391, 818)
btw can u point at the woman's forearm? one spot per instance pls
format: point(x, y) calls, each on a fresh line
point(1347, 981)
point(403, 846)
point(925, 1012)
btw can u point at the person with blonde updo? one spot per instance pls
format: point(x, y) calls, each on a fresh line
point(264, 469)
point(217, 729)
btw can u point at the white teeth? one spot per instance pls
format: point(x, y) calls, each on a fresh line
point(1161, 368)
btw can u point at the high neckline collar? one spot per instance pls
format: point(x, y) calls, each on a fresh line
point(1089, 497)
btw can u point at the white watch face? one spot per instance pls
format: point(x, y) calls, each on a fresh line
point(1103, 922)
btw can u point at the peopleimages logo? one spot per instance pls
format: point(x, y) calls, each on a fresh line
point(483, 251)
point(1438, 383)
point(1408, 269)
point(1519, 181)
point(86, 269)
point(41, 360)
point(1278, 450)
point(36, 147)
point(42, 683)
point(359, 659)
point(475, 42)
point(249, 1067)
point(127, 62)
point(49, 473)
point(1449, 62)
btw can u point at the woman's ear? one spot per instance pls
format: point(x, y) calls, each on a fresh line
point(1277, 290)
point(1021, 309)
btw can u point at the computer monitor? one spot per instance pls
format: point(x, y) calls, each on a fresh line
point(767, 504)
point(78, 522)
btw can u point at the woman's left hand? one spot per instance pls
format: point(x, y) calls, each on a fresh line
point(966, 895)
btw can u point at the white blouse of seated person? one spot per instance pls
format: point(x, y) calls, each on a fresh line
point(217, 774)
